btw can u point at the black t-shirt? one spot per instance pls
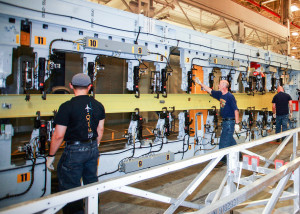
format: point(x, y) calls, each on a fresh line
point(281, 101)
point(227, 103)
point(81, 115)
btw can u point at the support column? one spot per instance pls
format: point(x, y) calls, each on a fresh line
point(285, 20)
point(241, 32)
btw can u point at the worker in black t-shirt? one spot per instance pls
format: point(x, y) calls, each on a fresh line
point(282, 109)
point(79, 122)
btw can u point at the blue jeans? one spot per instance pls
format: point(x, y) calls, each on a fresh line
point(281, 121)
point(76, 162)
point(226, 138)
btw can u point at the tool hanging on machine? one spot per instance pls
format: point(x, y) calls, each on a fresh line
point(165, 115)
point(136, 117)
point(51, 126)
point(260, 81)
point(273, 84)
point(190, 81)
point(91, 74)
point(213, 112)
point(164, 78)
point(172, 119)
point(187, 122)
point(211, 78)
point(158, 82)
point(249, 90)
point(42, 126)
point(136, 79)
point(165, 123)
point(250, 113)
point(41, 76)
point(135, 130)
point(264, 113)
point(28, 78)
point(92, 71)
point(229, 79)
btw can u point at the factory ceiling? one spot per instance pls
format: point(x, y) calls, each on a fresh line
point(192, 14)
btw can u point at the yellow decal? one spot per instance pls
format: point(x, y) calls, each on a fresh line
point(187, 60)
point(93, 43)
point(39, 40)
point(140, 50)
point(140, 163)
point(23, 177)
point(161, 57)
point(190, 147)
point(132, 49)
point(18, 38)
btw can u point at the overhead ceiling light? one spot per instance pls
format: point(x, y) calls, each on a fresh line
point(295, 33)
point(294, 48)
point(294, 8)
point(293, 57)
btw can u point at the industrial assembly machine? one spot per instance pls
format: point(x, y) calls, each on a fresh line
point(34, 37)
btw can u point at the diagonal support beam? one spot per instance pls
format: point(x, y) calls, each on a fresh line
point(220, 190)
point(228, 203)
point(233, 37)
point(154, 196)
point(161, 10)
point(249, 35)
point(193, 185)
point(127, 6)
point(279, 149)
point(259, 39)
point(273, 200)
point(282, 48)
point(185, 15)
point(213, 27)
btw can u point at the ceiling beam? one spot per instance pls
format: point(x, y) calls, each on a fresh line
point(213, 27)
point(127, 6)
point(233, 37)
point(235, 12)
point(185, 15)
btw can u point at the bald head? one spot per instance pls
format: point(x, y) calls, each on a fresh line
point(224, 83)
point(280, 89)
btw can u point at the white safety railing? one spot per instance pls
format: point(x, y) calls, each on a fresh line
point(290, 171)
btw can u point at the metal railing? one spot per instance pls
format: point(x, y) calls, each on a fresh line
point(290, 171)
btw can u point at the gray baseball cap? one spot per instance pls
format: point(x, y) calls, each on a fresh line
point(81, 79)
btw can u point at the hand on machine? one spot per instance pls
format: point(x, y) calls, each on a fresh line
point(198, 81)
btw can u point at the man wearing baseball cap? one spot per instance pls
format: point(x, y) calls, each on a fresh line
point(80, 123)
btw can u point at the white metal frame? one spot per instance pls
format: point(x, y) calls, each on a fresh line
point(290, 171)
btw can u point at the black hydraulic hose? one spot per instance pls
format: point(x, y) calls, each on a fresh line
point(45, 183)
point(29, 187)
